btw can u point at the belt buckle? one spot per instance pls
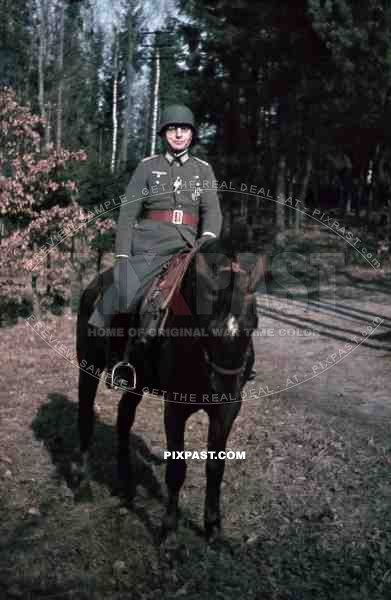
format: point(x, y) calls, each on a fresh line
point(177, 217)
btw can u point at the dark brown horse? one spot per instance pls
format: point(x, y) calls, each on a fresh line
point(205, 369)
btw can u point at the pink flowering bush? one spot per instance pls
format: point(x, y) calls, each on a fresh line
point(39, 214)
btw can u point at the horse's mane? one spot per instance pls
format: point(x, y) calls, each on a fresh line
point(233, 242)
point(232, 247)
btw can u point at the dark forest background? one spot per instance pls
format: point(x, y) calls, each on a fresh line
point(293, 97)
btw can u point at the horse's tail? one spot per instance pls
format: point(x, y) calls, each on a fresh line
point(89, 297)
point(94, 291)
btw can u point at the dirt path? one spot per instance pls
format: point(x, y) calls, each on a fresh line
point(336, 347)
point(306, 514)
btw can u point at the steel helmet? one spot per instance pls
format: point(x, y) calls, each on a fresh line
point(176, 114)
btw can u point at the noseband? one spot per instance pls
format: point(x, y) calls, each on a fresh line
point(222, 370)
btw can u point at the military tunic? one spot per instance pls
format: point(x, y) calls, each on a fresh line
point(163, 182)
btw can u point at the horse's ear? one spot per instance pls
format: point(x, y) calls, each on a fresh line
point(257, 272)
point(236, 238)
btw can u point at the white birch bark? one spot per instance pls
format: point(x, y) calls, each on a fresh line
point(115, 102)
point(60, 78)
point(42, 33)
point(155, 100)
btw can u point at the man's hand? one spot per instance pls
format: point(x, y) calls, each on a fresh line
point(204, 237)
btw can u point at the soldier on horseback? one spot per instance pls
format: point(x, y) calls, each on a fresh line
point(171, 205)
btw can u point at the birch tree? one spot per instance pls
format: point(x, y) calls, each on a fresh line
point(155, 99)
point(128, 89)
point(42, 9)
point(115, 102)
point(60, 76)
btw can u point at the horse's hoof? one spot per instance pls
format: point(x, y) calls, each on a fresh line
point(174, 549)
point(126, 490)
point(79, 472)
point(125, 485)
point(168, 529)
point(169, 524)
point(168, 539)
point(213, 532)
point(169, 546)
point(83, 492)
point(75, 475)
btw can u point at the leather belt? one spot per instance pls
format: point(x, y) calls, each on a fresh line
point(178, 217)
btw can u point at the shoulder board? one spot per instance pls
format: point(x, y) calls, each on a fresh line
point(201, 161)
point(149, 157)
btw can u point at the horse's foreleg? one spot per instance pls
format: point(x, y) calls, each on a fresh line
point(126, 456)
point(174, 422)
point(220, 423)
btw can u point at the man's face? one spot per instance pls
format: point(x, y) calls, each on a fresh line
point(178, 136)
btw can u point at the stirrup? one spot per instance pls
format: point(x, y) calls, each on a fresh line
point(123, 384)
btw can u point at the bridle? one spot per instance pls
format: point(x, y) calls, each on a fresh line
point(215, 368)
point(222, 370)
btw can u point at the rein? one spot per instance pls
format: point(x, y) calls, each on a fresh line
point(234, 268)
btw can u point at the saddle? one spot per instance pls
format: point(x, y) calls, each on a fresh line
point(162, 296)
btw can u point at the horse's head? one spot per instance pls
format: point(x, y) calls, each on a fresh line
point(224, 277)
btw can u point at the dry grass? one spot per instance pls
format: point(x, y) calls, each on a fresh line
point(306, 514)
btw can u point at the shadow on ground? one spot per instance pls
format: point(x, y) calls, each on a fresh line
point(301, 544)
point(56, 425)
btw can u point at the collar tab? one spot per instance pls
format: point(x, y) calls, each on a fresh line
point(181, 157)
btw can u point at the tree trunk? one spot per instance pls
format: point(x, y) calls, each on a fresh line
point(48, 278)
point(30, 68)
point(372, 179)
point(34, 291)
point(291, 187)
point(155, 100)
point(42, 32)
point(115, 101)
point(369, 182)
point(281, 197)
point(100, 145)
point(128, 104)
point(360, 193)
point(60, 79)
point(303, 192)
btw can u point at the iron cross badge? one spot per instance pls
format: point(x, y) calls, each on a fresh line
point(197, 192)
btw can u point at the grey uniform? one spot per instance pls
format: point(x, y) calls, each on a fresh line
point(160, 183)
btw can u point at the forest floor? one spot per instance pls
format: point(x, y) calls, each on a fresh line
point(306, 514)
